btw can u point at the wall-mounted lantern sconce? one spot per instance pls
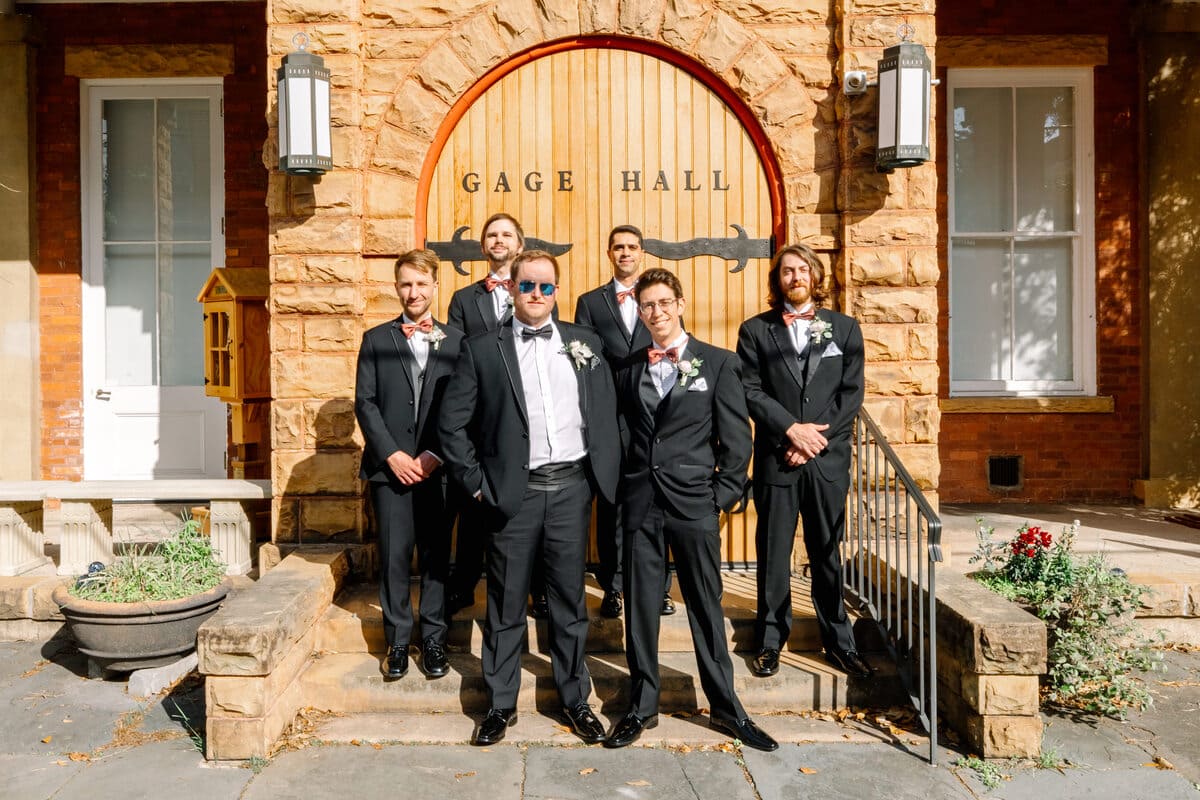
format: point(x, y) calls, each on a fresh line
point(304, 146)
point(904, 103)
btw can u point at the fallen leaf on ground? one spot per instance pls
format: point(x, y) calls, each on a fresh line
point(587, 770)
point(79, 756)
point(377, 745)
point(1160, 763)
point(458, 776)
point(355, 742)
point(841, 715)
point(638, 783)
point(46, 739)
point(562, 728)
point(808, 770)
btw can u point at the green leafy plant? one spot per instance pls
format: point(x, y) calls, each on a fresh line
point(1088, 607)
point(181, 565)
point(989, 773)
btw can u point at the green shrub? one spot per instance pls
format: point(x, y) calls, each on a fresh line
point(1088, 608)
point(181, 565)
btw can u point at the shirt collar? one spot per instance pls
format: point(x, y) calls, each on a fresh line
point(620, 287)
point(806, 307)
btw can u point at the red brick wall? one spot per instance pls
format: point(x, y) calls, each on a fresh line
point(1086, 457)
point(58, 184)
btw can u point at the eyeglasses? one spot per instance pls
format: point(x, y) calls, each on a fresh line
point(526, 287)
point(662, 305)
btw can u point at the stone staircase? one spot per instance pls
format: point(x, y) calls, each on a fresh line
point(344, 673)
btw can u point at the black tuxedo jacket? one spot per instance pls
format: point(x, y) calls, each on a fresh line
point(484, 427)
point(390, 416)
point(825, 386)
point(693, 447)
point(598, 309)
point(472, 310)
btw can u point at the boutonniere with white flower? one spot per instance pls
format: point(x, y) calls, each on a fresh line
point(581, 354)
point(819, 329)
point(435, 337)
point(688, 368)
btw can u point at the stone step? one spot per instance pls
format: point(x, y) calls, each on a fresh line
point(352, 683)
point(354, 623)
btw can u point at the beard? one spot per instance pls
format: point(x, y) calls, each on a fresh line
point(798, 295)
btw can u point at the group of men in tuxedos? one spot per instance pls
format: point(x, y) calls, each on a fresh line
point(517, 422)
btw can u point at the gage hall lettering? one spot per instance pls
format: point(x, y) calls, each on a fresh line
point(628, 180)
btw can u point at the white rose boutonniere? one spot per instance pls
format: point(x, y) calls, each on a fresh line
point(688, 368)
point(819, 329)
point(581, 355)
point(435, 337)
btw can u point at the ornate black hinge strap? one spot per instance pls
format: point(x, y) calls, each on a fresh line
point(459, 250)
point(740, 248)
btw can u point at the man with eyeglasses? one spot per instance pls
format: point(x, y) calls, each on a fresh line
point(689, 448)
point(612, 310)
point(803, 370)
point(529, 429)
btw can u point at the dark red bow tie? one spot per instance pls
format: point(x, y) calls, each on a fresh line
point(655, 356)
point(789, 317)
point(491, 283)
point(409, 328)
point(622, 296)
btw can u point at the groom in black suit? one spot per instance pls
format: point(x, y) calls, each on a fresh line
point(403, 368)
point(803, 370)
point(529, 429)
point(689, 446)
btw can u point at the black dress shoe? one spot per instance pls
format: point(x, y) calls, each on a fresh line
point(396, 666)
point(494, 726)
point(668, 606)
point(433, 658)
point(747, 733)
point(766, 663)
point(629, 729)
point(610, 606)
point(849, 662)
point(584, 723)
point(540, 609)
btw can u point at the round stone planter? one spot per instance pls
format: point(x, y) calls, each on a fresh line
point(128, 636)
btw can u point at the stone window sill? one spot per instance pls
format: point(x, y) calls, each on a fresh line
point(1027, 405)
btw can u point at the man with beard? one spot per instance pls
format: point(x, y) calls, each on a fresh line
point(403, 368)
point(802, 366)
point(529, 430)
point(612, 310)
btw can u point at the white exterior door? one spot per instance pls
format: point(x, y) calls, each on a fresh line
point(153, 200)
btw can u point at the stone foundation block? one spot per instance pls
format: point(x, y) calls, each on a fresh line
point(241, 696)
point(1004, 695)
point(1005, 737)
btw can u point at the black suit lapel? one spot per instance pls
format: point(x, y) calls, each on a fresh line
point(643, 384)
point(508, 354)
point(783, 341)
point(664, 407)
point(433, 367)
point(486, 307)
point(816, 347)
point(610, 300)
point(407, 359)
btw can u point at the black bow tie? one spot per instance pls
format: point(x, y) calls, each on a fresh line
point(543, 332)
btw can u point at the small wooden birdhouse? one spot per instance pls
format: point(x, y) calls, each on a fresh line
point(237, 366)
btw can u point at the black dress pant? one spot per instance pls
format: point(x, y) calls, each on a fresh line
point(412, 517)
point(553, 524)
point(696, 545)
point(821, 505)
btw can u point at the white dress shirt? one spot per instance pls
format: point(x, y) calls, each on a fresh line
point(418, 343)
point(551, 398)
point(798, 330)
point(665, 371)
point(501, 301)
point(628, 307)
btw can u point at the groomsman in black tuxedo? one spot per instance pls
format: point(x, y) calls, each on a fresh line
point(803, 370)
point(478, 307)
point(689, 447)
point(612, 310)
point(529, 429)
point(403, 368)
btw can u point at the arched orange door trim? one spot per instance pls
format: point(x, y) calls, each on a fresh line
point(694, 68)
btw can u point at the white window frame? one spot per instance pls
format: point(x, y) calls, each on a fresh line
point(1083, 333)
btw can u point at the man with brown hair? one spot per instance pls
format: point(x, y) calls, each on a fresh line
point(802, 366)
point(403, 368)
point(689, 446)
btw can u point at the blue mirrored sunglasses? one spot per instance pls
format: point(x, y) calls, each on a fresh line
point(526, 287)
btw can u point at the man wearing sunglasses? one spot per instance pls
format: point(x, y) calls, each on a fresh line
point(530, 431)
point(689, 449)
point(612, 310)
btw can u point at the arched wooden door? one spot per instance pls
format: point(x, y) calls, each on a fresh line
point(580, 140)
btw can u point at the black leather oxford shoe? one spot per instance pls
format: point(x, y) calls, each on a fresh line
point(540, 609)
point(849, 662)
point(766, 663)
point(610, 606)
point(668, 606)
point(494, 726)
point(433, 658)
point(629, 729)
point(746, 732)
point(396, 666)
point(584, 723)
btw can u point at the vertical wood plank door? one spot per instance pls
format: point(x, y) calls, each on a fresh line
point(579, 141)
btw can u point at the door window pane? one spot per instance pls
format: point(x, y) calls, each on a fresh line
point(983, 160)
point(1045, 159)
point(183, 268)
point(127, 170)
point(129, 314)
point(1042, 310)
point(979, 302)
point(184, 171)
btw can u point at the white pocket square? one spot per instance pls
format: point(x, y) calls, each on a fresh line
point(831, 350)
point(698, 385)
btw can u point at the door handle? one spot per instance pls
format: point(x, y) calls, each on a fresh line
point(103, 394)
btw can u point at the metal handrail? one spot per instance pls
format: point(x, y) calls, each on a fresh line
point(893, 540)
